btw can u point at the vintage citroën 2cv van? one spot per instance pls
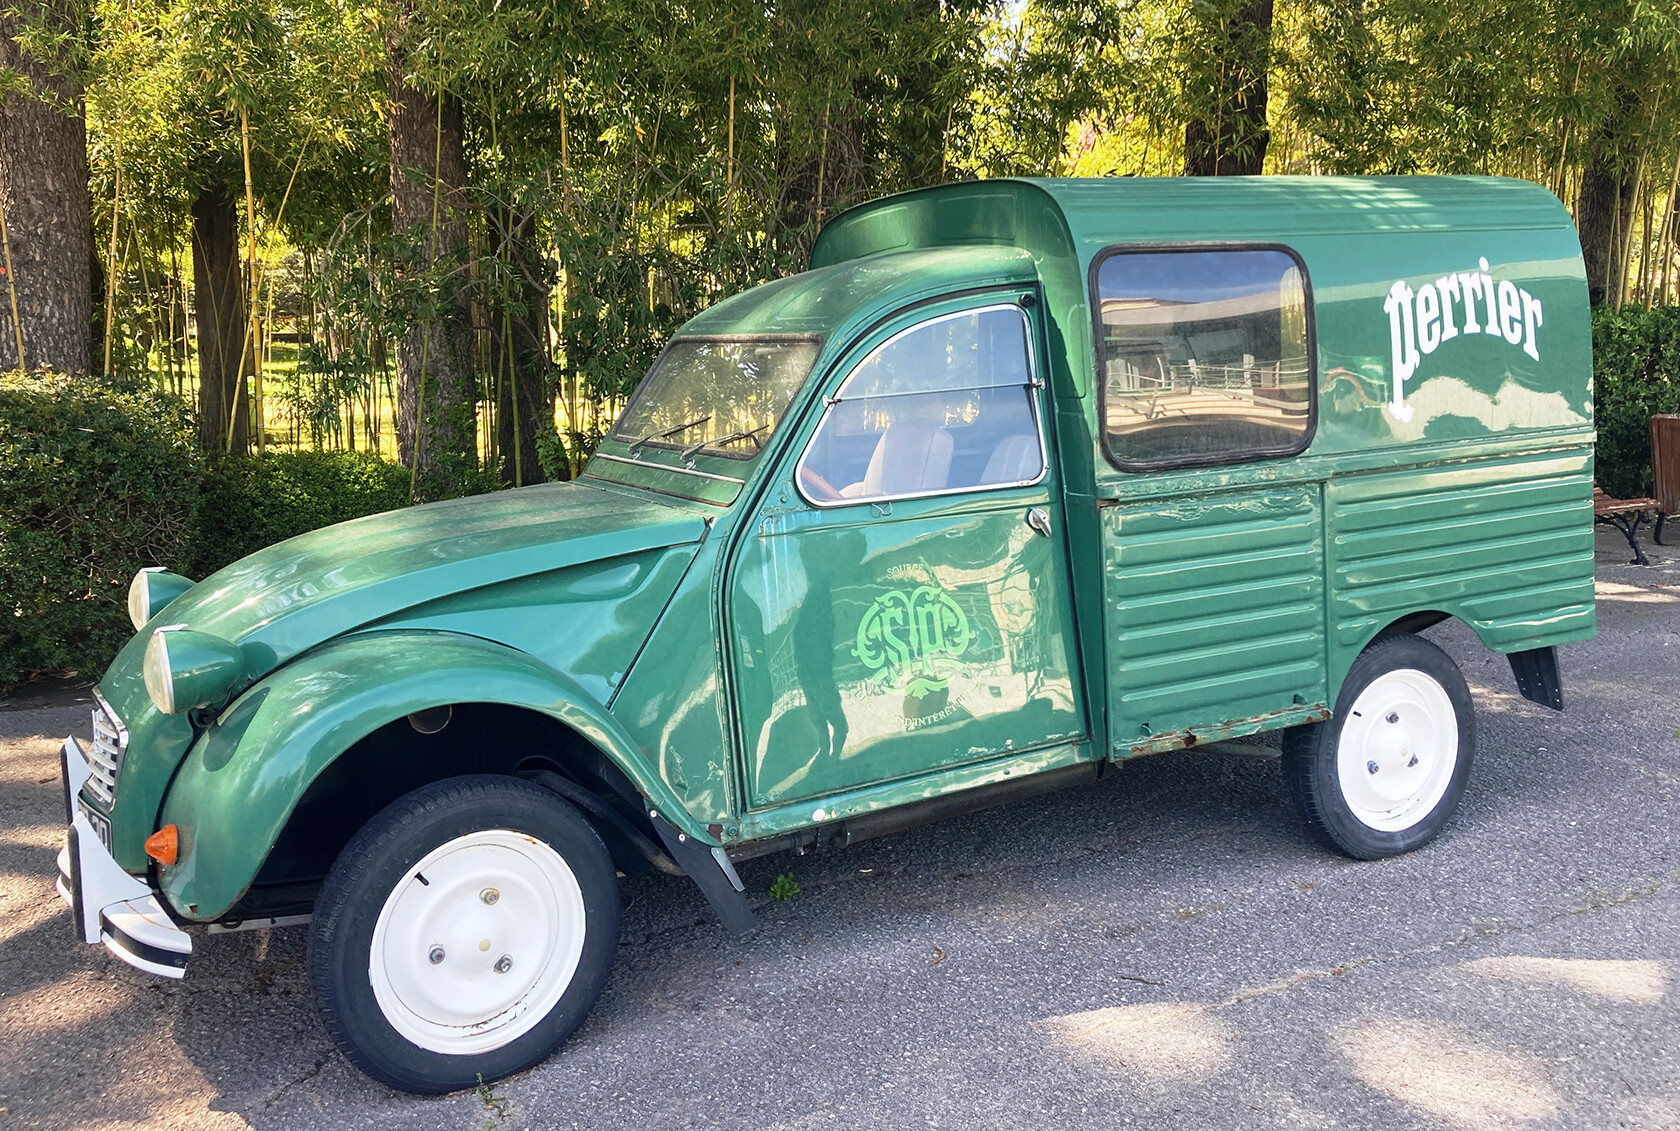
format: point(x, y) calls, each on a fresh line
point(1020, 478)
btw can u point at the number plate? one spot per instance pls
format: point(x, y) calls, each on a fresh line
point(101, 824)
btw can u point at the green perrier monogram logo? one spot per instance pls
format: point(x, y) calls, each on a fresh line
point(913, 638)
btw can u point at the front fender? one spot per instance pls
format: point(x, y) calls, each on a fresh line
point(243, 777)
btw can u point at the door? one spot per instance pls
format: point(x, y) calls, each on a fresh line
point(1213, 542)
point(907, 610)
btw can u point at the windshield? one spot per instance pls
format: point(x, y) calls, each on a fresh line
point(722, 397)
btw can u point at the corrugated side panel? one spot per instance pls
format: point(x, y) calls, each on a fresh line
point(1505, 544)
point(1214, 612)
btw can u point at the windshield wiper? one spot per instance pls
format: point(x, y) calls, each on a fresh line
point(729, 439)
point(672, 431)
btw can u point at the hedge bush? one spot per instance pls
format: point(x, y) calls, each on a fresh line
point(1636, 374)
point(254, 501)
point(97, 478)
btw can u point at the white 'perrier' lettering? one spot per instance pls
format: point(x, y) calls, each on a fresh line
point(917, 634)
point(1421, 321)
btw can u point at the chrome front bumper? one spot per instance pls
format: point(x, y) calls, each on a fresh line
point(107, 904)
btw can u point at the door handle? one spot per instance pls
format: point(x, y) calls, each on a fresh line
point(1039, 519)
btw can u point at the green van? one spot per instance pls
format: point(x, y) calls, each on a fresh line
point(1020, 478)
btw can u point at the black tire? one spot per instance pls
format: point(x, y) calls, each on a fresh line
point(1315, 760)
point(364, 881)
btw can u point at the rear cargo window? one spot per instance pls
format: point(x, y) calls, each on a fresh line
point(1204, 355)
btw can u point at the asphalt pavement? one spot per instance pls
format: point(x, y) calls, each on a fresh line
point(1164, 949)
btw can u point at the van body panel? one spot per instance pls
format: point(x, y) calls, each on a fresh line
point(1449, 469)
point(1504, 544)
point(1215, 610)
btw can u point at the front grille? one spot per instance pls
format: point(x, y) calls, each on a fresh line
point(105, 756)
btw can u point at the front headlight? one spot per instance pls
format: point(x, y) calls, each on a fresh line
point(152, 589)
point(185, 670)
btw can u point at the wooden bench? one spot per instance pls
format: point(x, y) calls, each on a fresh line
point(1626, 515)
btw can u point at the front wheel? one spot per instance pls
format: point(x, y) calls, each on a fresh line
point(463, 934)
point(1385, 773)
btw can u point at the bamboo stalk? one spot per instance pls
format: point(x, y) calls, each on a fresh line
point(513, 393)
point(945, 143)
point(1564, 150)
point(111, 254)
point(249, 340)
point(255, 282)
point(565, 152)
point(729, 164)
point(1614, 253)
point(1625, 250)
point(11, 285)
point(1641, 289)
point(266, 353)
point(822, 162)
point(186, 319)
point(169, 299)
point(145, 285)
point(1665, 232)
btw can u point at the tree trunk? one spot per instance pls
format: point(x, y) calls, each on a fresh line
point(436, 406)
point(516, 337)
point(44, 190)
point(1229, 139)
point(1603, 213)
point(219, 305)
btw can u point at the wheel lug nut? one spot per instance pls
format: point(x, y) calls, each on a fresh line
point(1412, 763)
point(489, 895)
point(435, 955)
point(504, 964)
point(1394, 716)
point(1371, 767)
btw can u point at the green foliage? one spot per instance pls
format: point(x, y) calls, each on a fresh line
point(552, 456)
point(632, 161)
point(97, 479)
point(784, 887)
point(254, 501)
point(315, 391)
point(1636, 374)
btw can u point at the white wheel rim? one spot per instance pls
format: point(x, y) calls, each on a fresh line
point(481, 901)
point(1398, 750)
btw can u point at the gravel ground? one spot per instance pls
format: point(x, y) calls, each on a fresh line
point(1164, 949)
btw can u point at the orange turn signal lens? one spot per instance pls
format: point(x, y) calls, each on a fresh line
point(164, 845)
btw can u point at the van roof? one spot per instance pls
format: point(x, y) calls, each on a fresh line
point(1094, 213)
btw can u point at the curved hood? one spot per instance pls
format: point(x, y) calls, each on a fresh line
point(571, 560)
point(295, 594)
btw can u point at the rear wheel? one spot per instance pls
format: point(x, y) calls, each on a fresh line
point(1385, 773)
point(463, 934)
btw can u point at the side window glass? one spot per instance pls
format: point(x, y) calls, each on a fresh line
point(942, 407)
point(1205, 356)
